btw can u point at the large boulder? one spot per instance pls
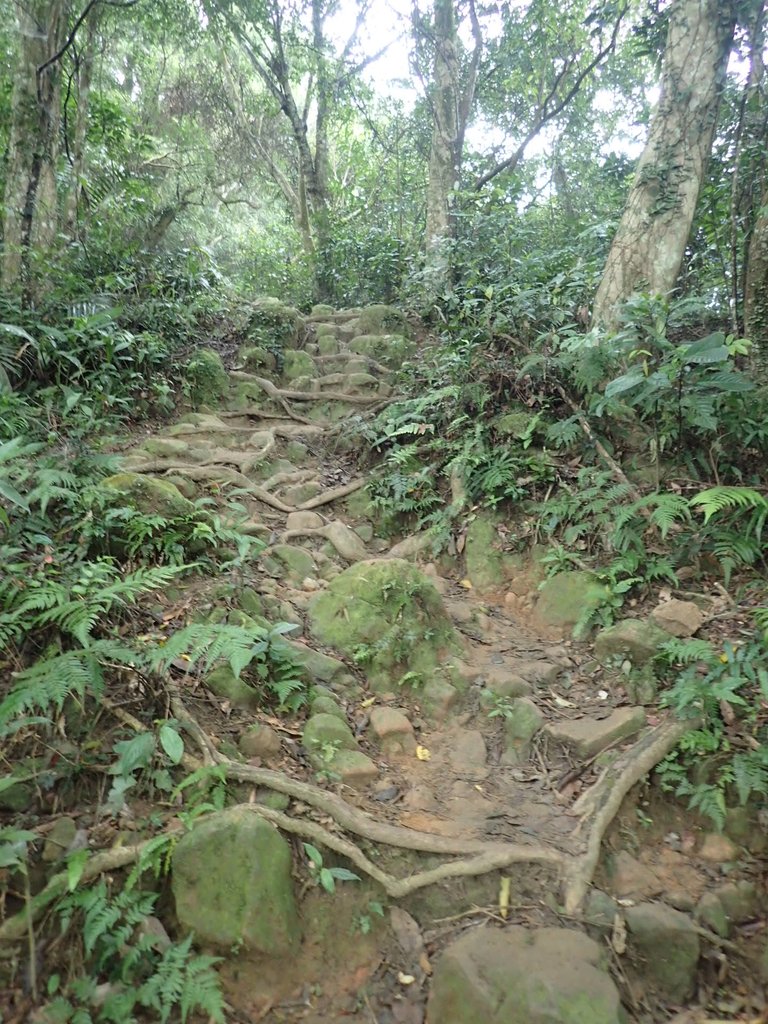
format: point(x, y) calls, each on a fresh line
point(205, 379)
point(146, 494)
point(389, 618)
point(664, 945)
point(566, 598)
point(232, 884)
point(633, 640)
point(516, 976)
point(273, 325)
point(487, 566)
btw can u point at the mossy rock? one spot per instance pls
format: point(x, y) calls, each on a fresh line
point(635, 640)
point(382, 319)
point(232, 883)
point(565, 598)
point(166, 447)
point(205, 379)
point(388, 617)
point(298, 364)
point(390, 349)
point(298, 562)
point(273, 325)
point(321, 309)
point(257, 359)
point(487, 566)
point(147, 495)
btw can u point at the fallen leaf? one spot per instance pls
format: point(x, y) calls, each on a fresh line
point(619, 935)
point(368, 703)
point(504, 891)
point(467, 584)
point(405, 979)
point(423, 754)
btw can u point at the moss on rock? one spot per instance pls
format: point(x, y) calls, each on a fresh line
point(205, 379)
point(388, 617)
point(147, 494)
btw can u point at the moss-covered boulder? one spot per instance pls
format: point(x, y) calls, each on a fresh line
point(324, 736)
point(634, 640)
point(166, 447)
point(273, 325)
point(488, 567)
point(298, 364)
point(567, 598)
point(146, 494)
point(382, 319)
point(232, 884)
point(521, 976)
point(388, 617)
point(664, 944)
point(390, 349)
point(206, 381)
point(257, 359)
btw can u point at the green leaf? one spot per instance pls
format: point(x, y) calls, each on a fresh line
point(134, 753)
point(624, 383)
point(327, 880)
point(344, 875)
point(314, 854)
point(75, 866)
point(172, 743)
point(11, 494)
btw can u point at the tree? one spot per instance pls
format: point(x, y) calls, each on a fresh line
point(30, 218)
point(648, 248)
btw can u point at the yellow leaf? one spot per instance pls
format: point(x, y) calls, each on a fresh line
point(423, 754)
point(405, 979)
point(368, 703)
point(467, 584)
point(504, 891)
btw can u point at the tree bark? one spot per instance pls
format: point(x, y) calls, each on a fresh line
point(648, 249)
point(82, 77)
point(756, 289)
point(451, 105)
point(30, 218)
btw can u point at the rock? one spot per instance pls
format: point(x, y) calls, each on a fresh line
point(232, 884)
point(261, 741)
point(742, 826)
point(631, 639)
point(327, 344)
point(411, 546)
point(354, 769)
point(324, 704)
point(256, 359)
point(542, 673)
point(710, 913)
point(296, 560)
point(17, 798)
point(365, 532)
point(665, 946)
point(566, 597)
point(380, 318)
point(468, 755)
point(298, 364)
point(393, 730)
point(166, 447)
point(388, 616)
point(438, 699)
point(390, 349)
point(632, 880)
point(487, 566)
point(274, 325)
point(517, 976)
point(520, 726)
point(317, 665)
point(739, 900)
point(679, 618)
point(225, 684)
point(206, 381)
point(146, 494)
point(345, 541)
point(588, 736)
point(600, 912)
point(59, 839)
point(513, 424)
point(324, 736)
point(304, 521)
point(500, 681)
point(718, 848)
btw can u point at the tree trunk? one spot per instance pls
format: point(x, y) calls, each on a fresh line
point(648, 249)
point(756, 289)
point(30, 217)
point(84, 72)
point(443, 157)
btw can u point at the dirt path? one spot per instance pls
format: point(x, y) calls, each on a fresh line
point(464, 771)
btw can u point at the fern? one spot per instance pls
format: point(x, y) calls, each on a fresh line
point(718, 499)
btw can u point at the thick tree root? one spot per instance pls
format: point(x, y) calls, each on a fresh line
point(600, 804)
point(304, 396)
point(339, 356)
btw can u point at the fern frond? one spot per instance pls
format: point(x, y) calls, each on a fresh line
point(718, 499)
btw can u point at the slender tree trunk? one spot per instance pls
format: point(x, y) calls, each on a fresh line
point(648, 249)
point(443, 155)
point(77, 149)
point(30, 219)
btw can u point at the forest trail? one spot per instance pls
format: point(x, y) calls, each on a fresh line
point(515, 754)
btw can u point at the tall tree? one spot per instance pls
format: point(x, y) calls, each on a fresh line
point(648, 248)
point(30, 217)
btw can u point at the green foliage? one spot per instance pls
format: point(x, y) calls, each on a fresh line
point(713, 759)
point(126, 969)
point(327, 877)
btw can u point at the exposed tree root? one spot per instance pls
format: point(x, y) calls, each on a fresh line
point(303, 396)
point(280, 479)
point(286, 430)
point(329, 496)
point(338, 356)
point(601, 802)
